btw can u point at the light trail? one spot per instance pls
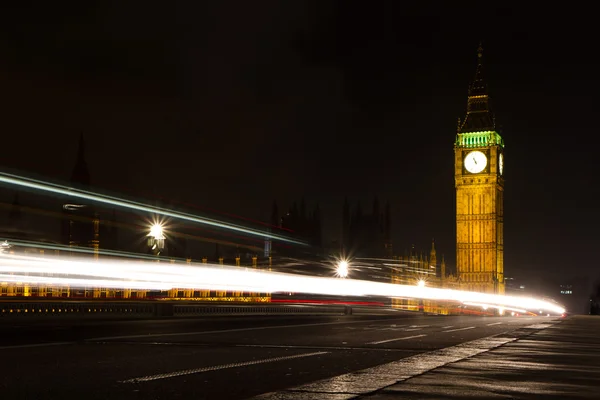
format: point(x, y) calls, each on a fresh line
point(78, 272)
point(133, 205)
point(83, 250)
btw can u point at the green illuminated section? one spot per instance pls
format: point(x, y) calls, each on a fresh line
point(479, 139)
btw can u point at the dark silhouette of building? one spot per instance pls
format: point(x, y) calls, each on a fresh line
point(299, 223)
point(367, 234)
point(109, 231)
point(81, 223)
point(15, 217)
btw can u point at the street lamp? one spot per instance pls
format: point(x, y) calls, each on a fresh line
point(156, 239)
point(421, 283)
point(342, 269)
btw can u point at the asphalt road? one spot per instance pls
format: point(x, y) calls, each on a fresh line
point(217, 357)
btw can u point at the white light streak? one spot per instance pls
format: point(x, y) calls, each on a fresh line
point(80, 272)
point(500, 308)
point(132, 205)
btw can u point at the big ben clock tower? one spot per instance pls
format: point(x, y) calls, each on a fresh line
point(479, 181)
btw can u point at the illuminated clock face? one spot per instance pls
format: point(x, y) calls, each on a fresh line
point(501, 164)
point(475, 162)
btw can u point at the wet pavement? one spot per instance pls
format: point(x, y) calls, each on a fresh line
point(555, 359)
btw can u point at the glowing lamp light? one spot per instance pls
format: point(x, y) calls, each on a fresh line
point(342, 269)
point(156, 232)
point(421, 283)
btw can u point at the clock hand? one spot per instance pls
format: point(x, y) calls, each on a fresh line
point(474, 160)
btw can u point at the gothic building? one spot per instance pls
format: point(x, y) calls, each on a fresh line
point(15, 217)
point(420, 265)
point(367, 234)
point(81, 225)
point(299, 222)
point(479, 183)
point(18, 228)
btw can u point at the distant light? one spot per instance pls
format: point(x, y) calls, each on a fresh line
point(342, 269)
point(156, 231)
point(421, 283)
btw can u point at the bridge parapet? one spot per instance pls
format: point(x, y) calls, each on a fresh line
point(150, 309)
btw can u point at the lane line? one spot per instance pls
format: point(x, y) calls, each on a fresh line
point(495, 323)
point(259, 328)
point(279, 346)
point(219, 367)
point(460, 329)
point(366, 381)
point(410, 330)
point(396, 339)
point(354, 384)
point(24, 346)
point(448, 327)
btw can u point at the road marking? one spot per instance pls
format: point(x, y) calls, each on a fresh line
point(219, 367)
point(280, 346)
point(393, 340)
point(538, 326)
point(353, 384)
point(460, 329)
point(495, 323)
point(149, 335)
point(410, 330)
point(24, 346)
point(448, 327)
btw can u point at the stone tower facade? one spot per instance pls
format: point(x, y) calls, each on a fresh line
point(479, 182)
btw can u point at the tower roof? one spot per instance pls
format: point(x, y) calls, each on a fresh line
point(479, 114)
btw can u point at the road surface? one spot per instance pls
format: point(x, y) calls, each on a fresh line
point(218, 357)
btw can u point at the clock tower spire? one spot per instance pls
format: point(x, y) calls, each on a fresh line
point(479, 113)
point(479, 182)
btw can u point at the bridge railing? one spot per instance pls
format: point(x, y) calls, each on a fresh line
point(150, 309)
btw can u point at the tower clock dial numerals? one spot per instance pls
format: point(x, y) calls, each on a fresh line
point(475, 162)
point(501, 164)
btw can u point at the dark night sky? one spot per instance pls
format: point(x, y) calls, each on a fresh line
point(230, 105)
